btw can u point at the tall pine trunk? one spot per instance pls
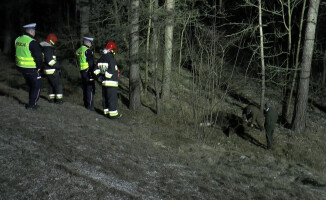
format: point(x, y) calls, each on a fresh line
point(300, 114)
point(149, 27)
point(168, 49)
point(8, 32)
point(286, 90)
point(294, 78)
point(154, 56)
point(84, 8)
point(324, 70)
point(134, 81)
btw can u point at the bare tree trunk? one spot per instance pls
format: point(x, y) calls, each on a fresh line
point(8, 40)
point(84, 7)
point(286, 91)
point(324, 70)
point(117, 19)
point(294, 78)
point(154, 56)
point(157, 88)
point(134, 81)
point(147, 45)
point(300, 114)
point(168, 49)
point(68, 13)
point(262, 97)
point(181, 42)
point(220, 6)
point(7, 45)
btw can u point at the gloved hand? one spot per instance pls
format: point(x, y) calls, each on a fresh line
point(100, 79)
point(91, 76)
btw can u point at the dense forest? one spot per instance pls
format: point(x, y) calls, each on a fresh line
point(279, 43)
point(188, 69)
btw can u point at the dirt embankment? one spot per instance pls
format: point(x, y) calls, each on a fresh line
point(67, 152)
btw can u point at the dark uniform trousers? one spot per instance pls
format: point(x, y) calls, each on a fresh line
point(55, 84)
point(88, 89)
point(270, 123)
point(269, 136)
point(33, 80)
point(110, 98)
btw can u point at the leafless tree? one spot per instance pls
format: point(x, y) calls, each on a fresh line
point(170, 4)
point(262, 57)
point(134, 81)
point(300, 114)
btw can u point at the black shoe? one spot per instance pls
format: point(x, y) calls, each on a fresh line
point(51, 100)
point(116, 117)
point(59, 101)
point(32, 107)
point(91, 108)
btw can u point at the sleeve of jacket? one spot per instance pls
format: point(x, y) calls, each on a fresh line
point(49, 58)
point(97, 71)
point(56, 65)
point(36, 52)
point(89, 58)
point(112, 67)
point(254, 116)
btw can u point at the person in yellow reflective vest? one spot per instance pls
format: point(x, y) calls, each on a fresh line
point(86, 65)
point(52, 69)
point(107, 74)
point(29, 63)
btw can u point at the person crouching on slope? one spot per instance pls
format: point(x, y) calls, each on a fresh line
point(107, 73)
point(252, 115)
point(52, 69)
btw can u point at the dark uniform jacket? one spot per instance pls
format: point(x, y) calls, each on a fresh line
point(107, 70)
point(49, 56)
point(271, 118)
point(87, 74)
point(253, 114)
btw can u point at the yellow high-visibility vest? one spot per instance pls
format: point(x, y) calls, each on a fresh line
point(24, 57)
point(83, 64)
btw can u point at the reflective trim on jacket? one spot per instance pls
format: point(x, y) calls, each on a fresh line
point(110, 83)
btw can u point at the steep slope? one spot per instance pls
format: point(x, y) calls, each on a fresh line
point(67, 152)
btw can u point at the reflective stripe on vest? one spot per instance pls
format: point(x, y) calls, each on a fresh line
point(83, 64)
point(24, 57)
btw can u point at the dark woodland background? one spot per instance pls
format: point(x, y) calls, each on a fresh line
point(181, 92)
point(209, 39)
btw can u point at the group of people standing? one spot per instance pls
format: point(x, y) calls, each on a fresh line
point(33, 58)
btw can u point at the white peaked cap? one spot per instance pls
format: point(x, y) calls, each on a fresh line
point(30, 26)
point(88, 39)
